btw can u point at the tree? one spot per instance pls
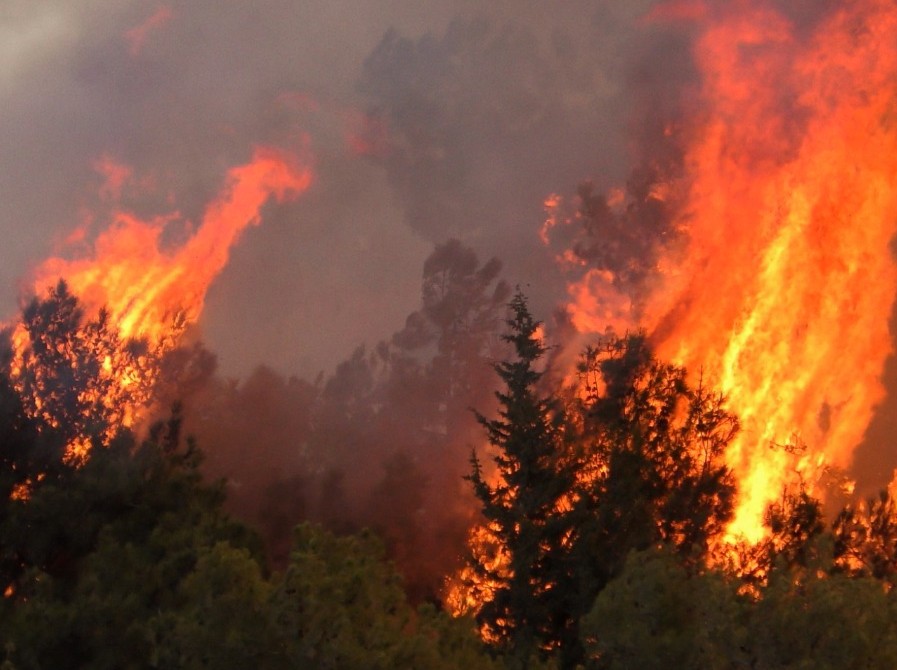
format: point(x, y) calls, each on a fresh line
point(634, 460)
point(25, 452)
point(651, 433)
point(656, 614)
point(653, 470)
point(807, 617)
point(95, 560)
point(796, 524)
point(341, 606)
point(866, 539)
point(527, 509)
point(126, 558)
point(71, 371)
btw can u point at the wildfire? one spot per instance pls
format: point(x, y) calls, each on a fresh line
point(467, 590)
point(782, 293)
point(145, 291)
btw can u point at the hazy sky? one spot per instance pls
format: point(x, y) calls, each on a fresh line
point(472, 113)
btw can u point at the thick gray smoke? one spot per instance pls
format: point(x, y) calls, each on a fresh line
point(477, 125)
point(437, 127)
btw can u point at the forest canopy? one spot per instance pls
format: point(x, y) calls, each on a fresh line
point(600, 514)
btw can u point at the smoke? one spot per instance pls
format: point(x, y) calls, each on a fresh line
point(476, 125)
point(382, 442)
point(439, 129)
point(202, 89)
point(482, 110)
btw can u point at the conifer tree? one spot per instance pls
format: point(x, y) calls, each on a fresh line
point(524, 509)
point(632, 461)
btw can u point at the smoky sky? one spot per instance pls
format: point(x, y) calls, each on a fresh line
point(427, 121)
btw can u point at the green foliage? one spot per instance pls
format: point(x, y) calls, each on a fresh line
point(129, 561)
point(808, 619)
point(101, 553)
point(341, 602)
point(222, 618)
point(132, 564)
point(340, 605)
point(604, 507)
point(657, 615)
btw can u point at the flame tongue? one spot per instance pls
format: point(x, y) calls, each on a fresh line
point(151, 293)
point(790, 213)
point(147, 290)
point(783, 292)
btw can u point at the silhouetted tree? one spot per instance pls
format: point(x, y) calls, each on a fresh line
point(527, 508)
point(633, 461)
point(865, 539)
point(652, 470)
point(68, 374)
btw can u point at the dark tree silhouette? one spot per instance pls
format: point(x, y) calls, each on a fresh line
point(527, 510)
point(652, 471)
point(632, 461)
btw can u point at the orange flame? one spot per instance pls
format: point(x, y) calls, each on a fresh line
point(153, 293)
point(783, 292)
point(148, 290)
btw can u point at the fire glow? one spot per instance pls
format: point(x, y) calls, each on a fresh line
point(778, 288)
point(152, 293)
point(782, 292)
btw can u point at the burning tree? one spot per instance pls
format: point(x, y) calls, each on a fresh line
point(86, 357)
point(633, 462)
point(528, 509)
point(127, 558)
point(654, 452)
point(78, 376)
point(652, 472)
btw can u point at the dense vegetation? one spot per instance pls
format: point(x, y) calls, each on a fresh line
point(603, 524)
point(129, 561)
point(603, 510)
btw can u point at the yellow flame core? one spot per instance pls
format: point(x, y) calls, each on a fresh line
point(782, 293)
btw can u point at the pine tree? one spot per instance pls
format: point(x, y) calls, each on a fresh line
point(632, 461)
point(525, 508)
